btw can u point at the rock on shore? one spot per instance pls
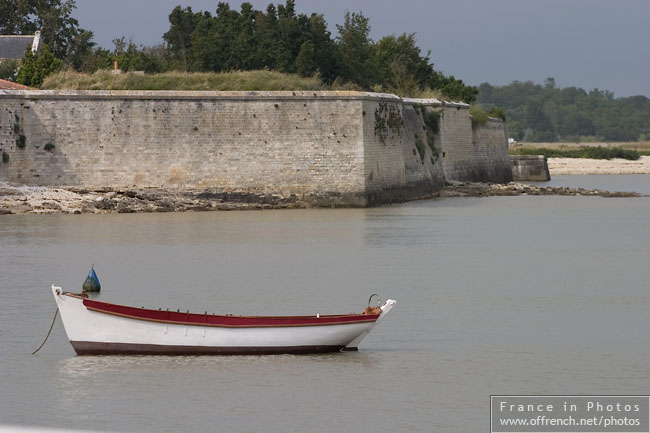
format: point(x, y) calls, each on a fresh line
point(477, 189)
point(20, 199)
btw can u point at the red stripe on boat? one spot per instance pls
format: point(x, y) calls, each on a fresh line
point(224, 321)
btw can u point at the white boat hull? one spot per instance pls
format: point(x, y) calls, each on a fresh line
point(99, 332)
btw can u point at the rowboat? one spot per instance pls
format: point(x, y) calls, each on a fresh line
point(101, 328)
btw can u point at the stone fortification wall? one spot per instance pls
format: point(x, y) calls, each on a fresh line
point(399, 163)
point(285, 143)
point(477, 154)
point(319, 148)
point(530, 167)
point(491, 142)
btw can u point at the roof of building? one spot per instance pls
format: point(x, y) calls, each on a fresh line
point(13, 46)
point(10, 85)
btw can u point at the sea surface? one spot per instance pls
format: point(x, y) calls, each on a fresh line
point(502, 295)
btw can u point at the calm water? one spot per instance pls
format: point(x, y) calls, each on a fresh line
point(503, 295)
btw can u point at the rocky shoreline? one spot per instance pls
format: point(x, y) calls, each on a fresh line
point(23, 199)
point(20, 199)
point(478, 189)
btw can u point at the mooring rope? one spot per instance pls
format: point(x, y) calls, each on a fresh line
point(48, 332)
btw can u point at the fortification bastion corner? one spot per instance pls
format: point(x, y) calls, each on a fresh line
point(321, 148)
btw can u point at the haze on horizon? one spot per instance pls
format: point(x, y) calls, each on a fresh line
point(583, 43)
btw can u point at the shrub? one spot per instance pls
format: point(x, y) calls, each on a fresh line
point(49, 147)
point(5, 157)
point(479, 116)
point(497, 112)
point(35, 67)
point(21, 141)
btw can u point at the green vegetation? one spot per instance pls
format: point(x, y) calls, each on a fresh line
point(498, 113)
point(16, 123)
point(240, 80)
point(643, 147)
point(387, 118)
point(431, 120)
point(9, 70)
point(479, 116)
point(277, 39)
point(547, 113)
point(419, 145)
point(432, 146)
point(591, 152)
point(49, 147)
point(21, 141)
point(5, 157)
point(35, 67)
point(53, 18)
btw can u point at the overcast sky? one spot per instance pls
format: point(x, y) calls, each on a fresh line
point(602, 44)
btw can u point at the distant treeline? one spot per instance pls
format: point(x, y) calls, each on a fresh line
point(276, 39)
point(545, 113)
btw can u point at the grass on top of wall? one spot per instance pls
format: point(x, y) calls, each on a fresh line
point(225, 81)
point(238, 80)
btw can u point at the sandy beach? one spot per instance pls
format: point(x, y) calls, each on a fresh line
point(559, 166)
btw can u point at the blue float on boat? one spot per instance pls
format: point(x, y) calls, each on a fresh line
point(91, 283)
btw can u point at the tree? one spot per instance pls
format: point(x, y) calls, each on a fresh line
point(244, 43)
point(537, 119)
point(179, 36)
point(549, 83)
point(400, 66)
point(280, 39)
point(547, 113)
point(453, 89)
point(35, 67)
point(326, 56)
point(81, 46)
point(67, 41)
point(305, 62)
point(15, 17)
point(293, 32)
point(218, 42)
point(96, 58)
point(356, 50)
point(9, 70)
point(268, 46)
